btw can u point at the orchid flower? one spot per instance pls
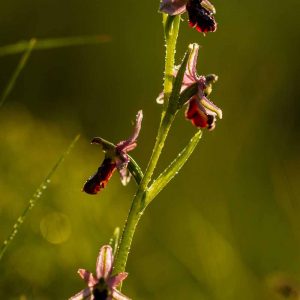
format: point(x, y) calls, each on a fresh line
point(201, 13)
point(201, 111)
point(116, 158)
point(102, 285)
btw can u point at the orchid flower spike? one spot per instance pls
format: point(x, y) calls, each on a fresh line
point(116, 158)
point(102, 285)
point(201, 13)
point(201, 111)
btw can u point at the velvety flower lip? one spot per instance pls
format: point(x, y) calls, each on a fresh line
point(201, 12)
point(116, 158)
point(102, 285)
point(201, 111)
point(201, 15)
point(100, 179)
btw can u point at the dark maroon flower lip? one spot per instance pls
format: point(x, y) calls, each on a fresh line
point(116, 158)
point(99, 180)
point(201, 13)
point(200, 17)
point(199, 117)
point(200, 111)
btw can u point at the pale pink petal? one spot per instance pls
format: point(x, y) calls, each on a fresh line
point(117, 295)
point(82, 295)
point(187, 80)
point(104, 262)
point(130, 143)
point(211, 107)
point(125, 175)
point(88, 277)
point(173, 7)
point(131, 146)
point(117, 279)
point(160, 98)
point(191, 72)
point(121, 163)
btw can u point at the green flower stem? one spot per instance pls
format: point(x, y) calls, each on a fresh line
point(171, 28)
point(158, 147)
point(139, 202)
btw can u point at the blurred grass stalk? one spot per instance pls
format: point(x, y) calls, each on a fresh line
point(42, 44)
point(17, 71)
point(34, 44)
point(32, 201)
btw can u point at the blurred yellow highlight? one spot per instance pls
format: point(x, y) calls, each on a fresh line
point(56, 228)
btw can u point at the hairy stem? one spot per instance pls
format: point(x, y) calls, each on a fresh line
point(171, 28)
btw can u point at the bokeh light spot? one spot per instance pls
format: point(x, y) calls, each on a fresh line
point(55, 228)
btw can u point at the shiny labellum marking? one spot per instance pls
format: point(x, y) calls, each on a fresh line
point(201, 15)
point(99, 180)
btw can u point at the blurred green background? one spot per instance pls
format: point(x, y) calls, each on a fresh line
point(227, 227)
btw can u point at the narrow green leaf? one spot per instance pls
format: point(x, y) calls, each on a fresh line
point(174, 97)
point(17, 71)
point(135, 170)
point(54, 43)
point(187, 94)
point(114, 241)
point(32, 201)
point(168, 174)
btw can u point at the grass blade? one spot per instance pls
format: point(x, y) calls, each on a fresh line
point(17, 71)
point(51, 43)
point(36, 196)
point(169, 173)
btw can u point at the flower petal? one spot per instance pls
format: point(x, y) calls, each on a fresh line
point(99, 180)
point(173, 7)
point(208, 6)
point(201, 16)
point(211, 106)
point(191, 76)
point(125, 175)
point(195, 114)
point(117, 295)
point(84, 294)
point(117, 279)
point(88, 277)
point(130, 143)
point(160, 98)
point(192, 62)
point(104, 262)
point(122, 162)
